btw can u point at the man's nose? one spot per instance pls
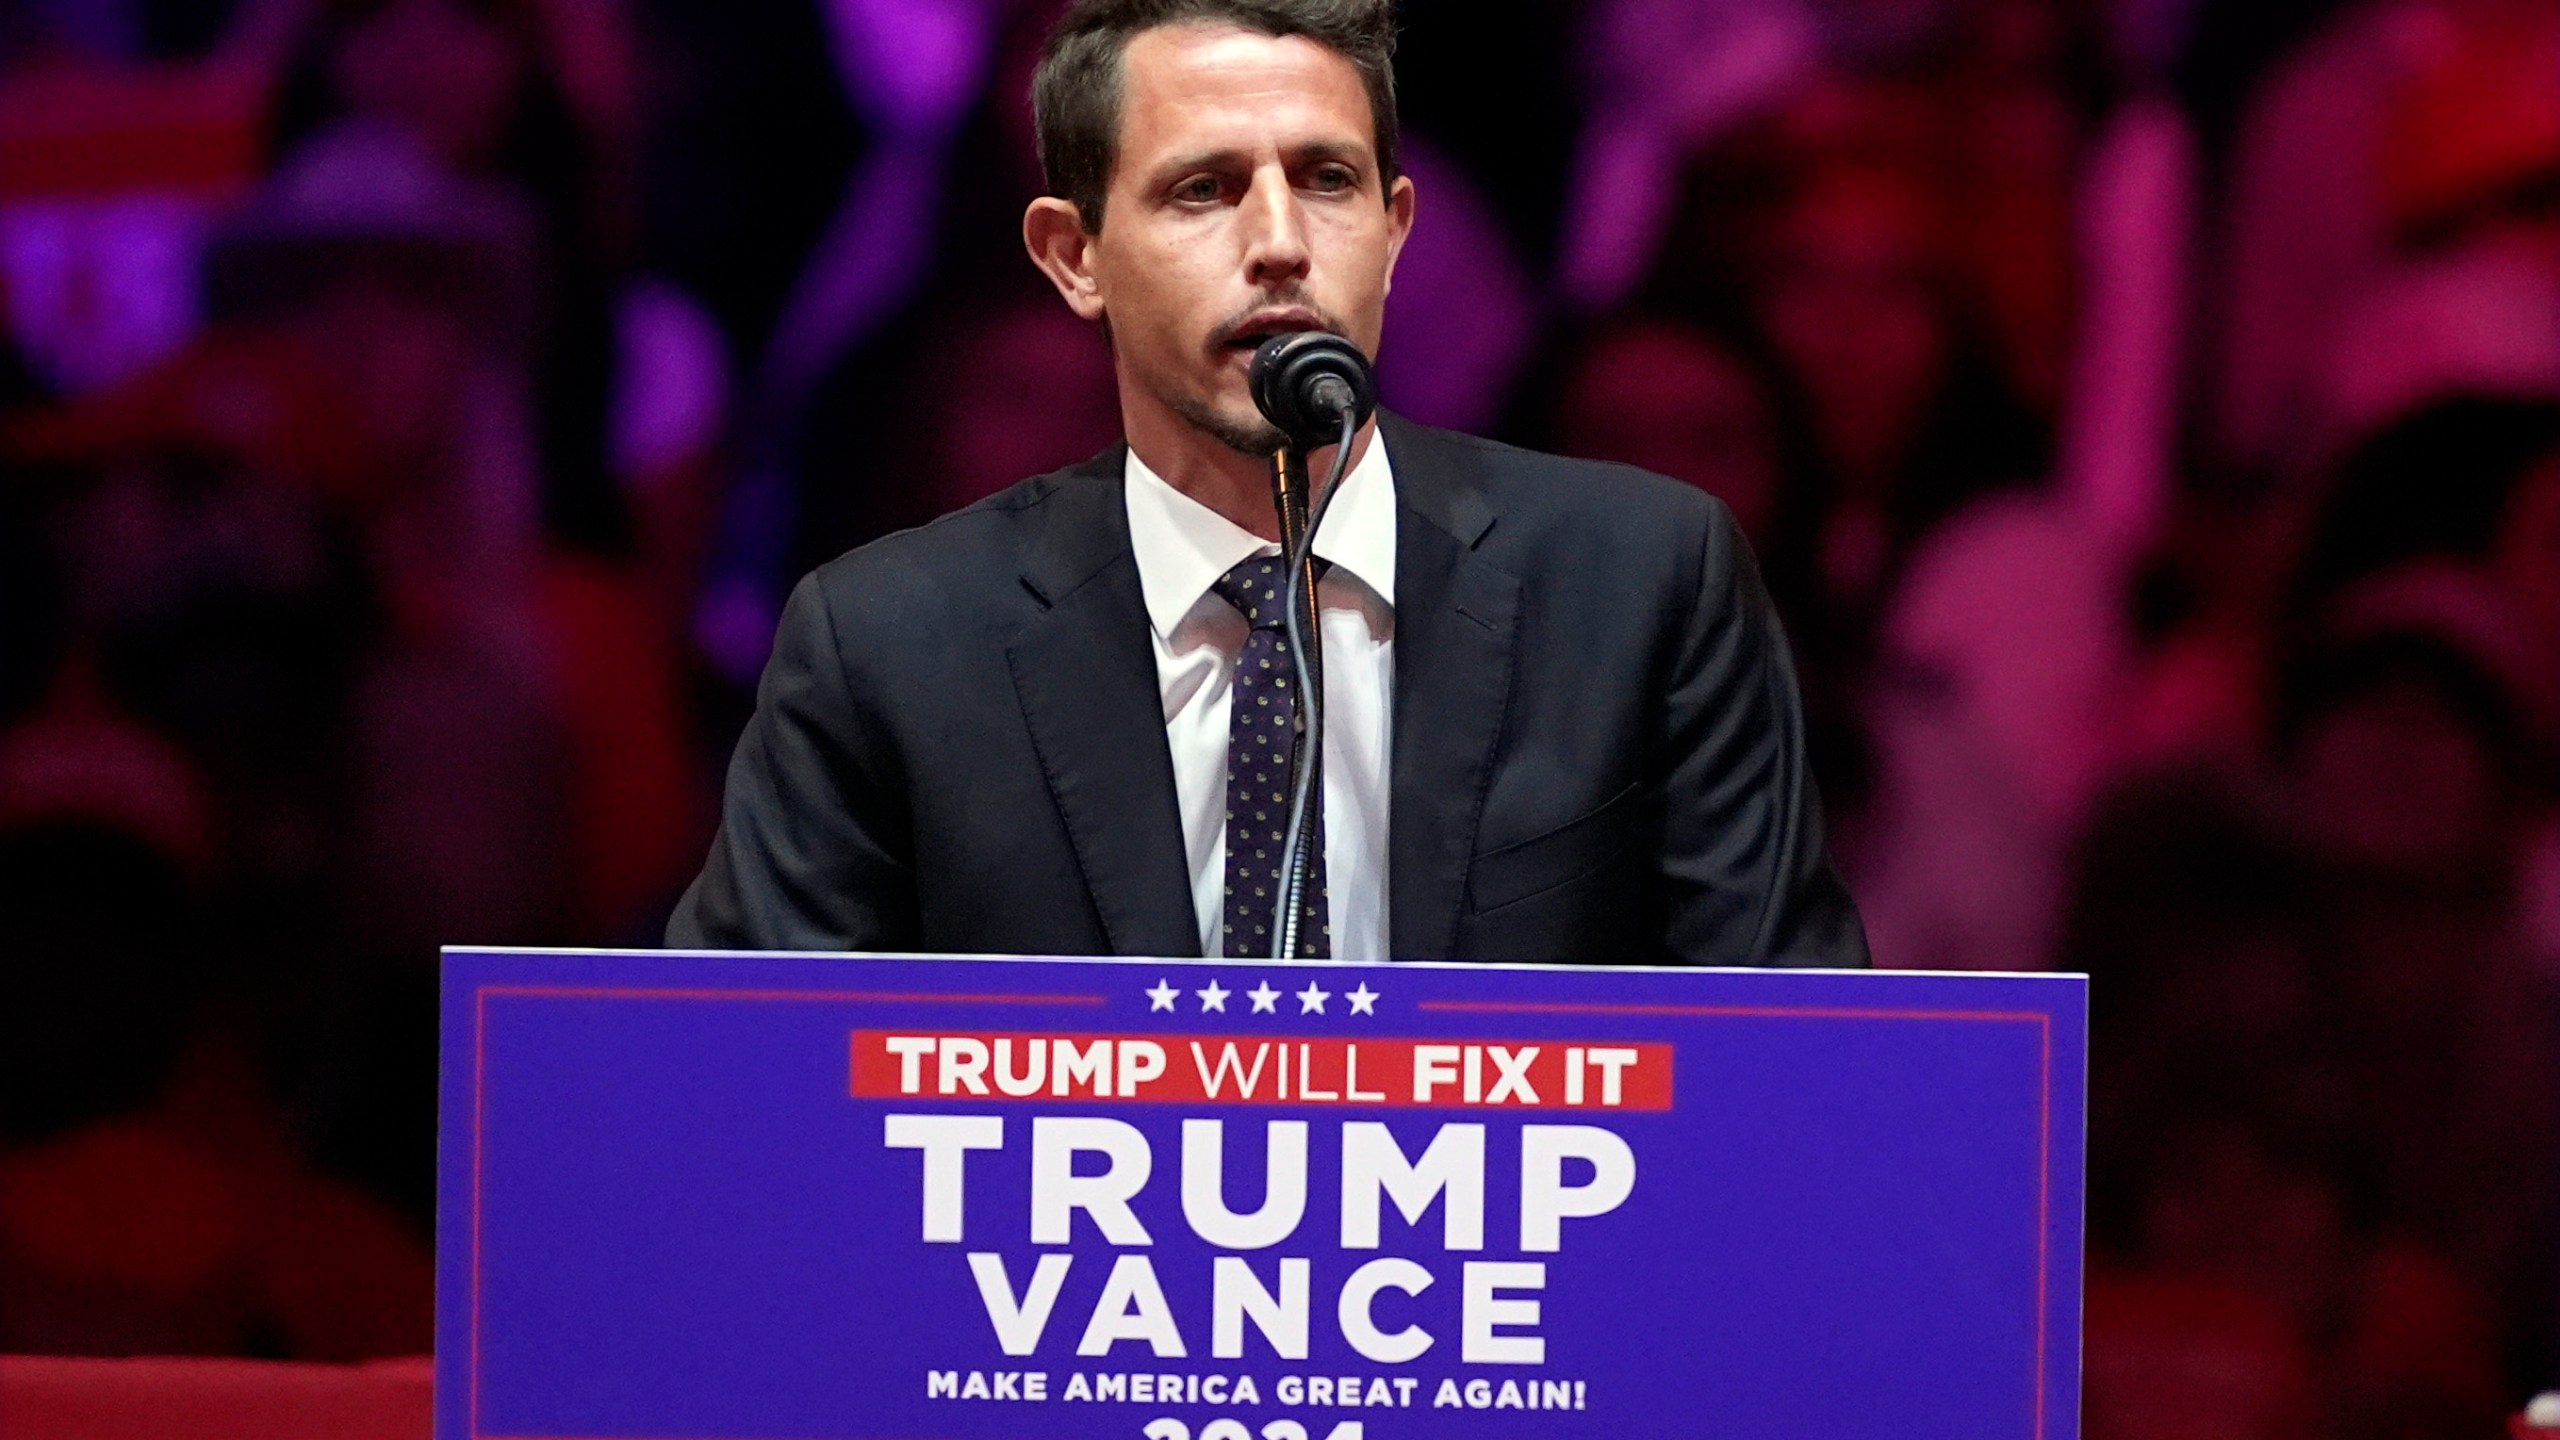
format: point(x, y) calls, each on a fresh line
point(1275, 230)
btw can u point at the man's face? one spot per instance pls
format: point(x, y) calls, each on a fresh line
point(1246, 202)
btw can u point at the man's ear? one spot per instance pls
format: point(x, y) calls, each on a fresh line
point(1053, 231)
point(1399, 222)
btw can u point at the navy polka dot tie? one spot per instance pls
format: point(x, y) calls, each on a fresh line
point(1262, 729)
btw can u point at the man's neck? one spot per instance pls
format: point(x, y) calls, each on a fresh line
point(1236, 485)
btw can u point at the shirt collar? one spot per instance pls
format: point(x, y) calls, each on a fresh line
point(1183, 546)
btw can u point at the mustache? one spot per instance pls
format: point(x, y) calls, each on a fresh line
point(1235, 326)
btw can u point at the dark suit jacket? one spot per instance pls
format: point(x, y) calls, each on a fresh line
point(1598, 753)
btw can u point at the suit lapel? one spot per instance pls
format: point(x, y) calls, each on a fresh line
point(1455, 618)
point(1086, 677)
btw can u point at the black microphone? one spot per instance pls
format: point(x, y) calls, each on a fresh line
point(1316, 389)
point(1304, 382)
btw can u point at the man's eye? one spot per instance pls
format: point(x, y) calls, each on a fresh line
point(1201, 188)
point(1336, 177)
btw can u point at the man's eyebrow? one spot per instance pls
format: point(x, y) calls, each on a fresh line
point(1197, 160)
point(1349, 152)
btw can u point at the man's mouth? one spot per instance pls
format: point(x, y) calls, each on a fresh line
point(1247, 335)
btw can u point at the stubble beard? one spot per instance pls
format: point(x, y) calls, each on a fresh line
point(1258, 437)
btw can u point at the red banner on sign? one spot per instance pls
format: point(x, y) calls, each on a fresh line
point(1239, 1070)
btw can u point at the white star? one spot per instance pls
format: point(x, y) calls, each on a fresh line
point(1161, 997)
point(1364, 1001)
point(1213, 998)
point(1266, 1001)
point(1311, 1000)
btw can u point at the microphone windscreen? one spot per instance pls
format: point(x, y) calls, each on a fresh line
point(1288, 380)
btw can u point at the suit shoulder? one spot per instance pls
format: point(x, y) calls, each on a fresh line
point(1541, 489)
point(967, 562)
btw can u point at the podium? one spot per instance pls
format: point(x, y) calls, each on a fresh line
point(743, 1197)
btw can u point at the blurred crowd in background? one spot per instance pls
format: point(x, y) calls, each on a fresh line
point(2147, 413)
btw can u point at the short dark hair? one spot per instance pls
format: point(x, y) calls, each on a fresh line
point(1075, 94)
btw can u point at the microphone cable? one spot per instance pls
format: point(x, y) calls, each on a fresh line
point(1302, 797)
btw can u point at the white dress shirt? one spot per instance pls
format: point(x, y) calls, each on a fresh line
point(1182, 548)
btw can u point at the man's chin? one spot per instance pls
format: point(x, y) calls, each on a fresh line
point(1255, 436)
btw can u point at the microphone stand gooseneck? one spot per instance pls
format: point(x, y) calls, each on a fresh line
point(1309, 384)
point(1297, 544)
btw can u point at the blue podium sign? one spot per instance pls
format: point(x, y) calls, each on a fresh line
point(746, 1197)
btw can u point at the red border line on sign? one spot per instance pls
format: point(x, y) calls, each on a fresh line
point(782, 997)
point(479, 1138)
point(2044, 1201)
point(1764, 1012)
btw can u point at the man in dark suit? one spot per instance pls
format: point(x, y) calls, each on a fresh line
point(1561, 719)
